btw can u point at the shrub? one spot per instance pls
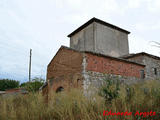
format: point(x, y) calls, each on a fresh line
point(34, 85)
point(110, 88)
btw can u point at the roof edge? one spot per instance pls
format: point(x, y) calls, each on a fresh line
point(98, 54)
point(141, 53)
point(98, 21)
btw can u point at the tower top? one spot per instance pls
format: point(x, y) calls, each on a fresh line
point(100, 37)
point(100, 22)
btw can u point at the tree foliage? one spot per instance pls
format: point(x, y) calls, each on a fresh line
point(8, 84)
point(110, 88)
point(34, 85)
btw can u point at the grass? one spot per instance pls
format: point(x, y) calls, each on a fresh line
point(73, 105)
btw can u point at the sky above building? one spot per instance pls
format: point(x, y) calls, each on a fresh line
point(43, 25)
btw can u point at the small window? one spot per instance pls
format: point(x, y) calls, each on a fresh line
point(142, 74)
point(78, 82)
point(155, 71)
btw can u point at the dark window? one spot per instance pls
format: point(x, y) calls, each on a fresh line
point(78, 82)
point(155, 71)
point(59, 89)
point(142, 74)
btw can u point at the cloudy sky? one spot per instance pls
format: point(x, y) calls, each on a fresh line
point(43, 25)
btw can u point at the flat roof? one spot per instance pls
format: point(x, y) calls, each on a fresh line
point(98, 21)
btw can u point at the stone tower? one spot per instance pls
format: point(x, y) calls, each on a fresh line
point(100, 37)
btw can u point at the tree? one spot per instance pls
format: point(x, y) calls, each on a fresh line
point(34, 85)
point(8, 84)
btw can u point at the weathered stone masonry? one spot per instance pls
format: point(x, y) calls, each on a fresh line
point(97, 67)
point(71, 68)
point(151, 62)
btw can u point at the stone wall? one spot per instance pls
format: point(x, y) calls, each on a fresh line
point(150, 63)
point(70, 68)
point(98, 68)
point(96, 79)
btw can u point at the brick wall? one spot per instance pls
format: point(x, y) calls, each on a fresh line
point(70, 68)
point(112, 66)
point(65, 69)
point(150, 63)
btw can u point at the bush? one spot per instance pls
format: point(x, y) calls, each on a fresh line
point(110, 88)
point(34, 85)
point(8, 84)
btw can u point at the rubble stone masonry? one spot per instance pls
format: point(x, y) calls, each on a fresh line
point(71, 69)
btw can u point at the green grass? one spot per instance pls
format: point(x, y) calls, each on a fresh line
point(73, 105)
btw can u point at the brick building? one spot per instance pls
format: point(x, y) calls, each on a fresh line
point(98, 49)
point(152, 63)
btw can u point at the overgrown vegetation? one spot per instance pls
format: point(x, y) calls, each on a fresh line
point(34, 85)
point(110, 88)
point(73, 105)
point(8, 84)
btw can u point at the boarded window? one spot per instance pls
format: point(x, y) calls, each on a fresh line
point(142, 74)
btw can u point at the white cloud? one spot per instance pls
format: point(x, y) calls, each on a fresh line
point(147, 26)
point(134, 3)
point(154, 6)
point(139, 44)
